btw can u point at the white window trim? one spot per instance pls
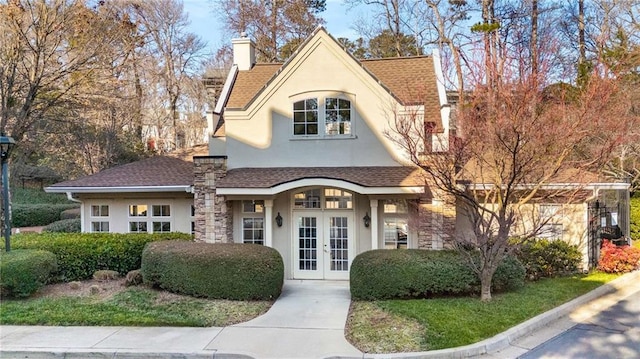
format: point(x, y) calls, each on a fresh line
point(321, 98)
point(395, 215)
point(149, 218)
point(93, 219)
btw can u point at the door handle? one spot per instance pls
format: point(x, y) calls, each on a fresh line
point(326, 249)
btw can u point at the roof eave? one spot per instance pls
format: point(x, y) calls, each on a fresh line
point(121, 189)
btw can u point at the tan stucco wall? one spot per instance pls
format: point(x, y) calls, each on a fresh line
point(573, 219)
point(262, 135)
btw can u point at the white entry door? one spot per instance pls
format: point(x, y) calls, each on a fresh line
point(323, 244)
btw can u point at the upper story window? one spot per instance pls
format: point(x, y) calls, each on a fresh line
point(323, 117)
point(337, 117)
point(305, 117)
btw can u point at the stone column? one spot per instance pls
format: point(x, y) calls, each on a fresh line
point(213, 215)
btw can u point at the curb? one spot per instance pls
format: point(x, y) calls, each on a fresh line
point(62, 353)
point(506, 338)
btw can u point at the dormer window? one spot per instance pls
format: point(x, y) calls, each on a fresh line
point(335, 112)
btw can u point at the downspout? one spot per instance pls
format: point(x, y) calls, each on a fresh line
point(70, 197)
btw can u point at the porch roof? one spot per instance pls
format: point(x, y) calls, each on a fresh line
point(365, 180)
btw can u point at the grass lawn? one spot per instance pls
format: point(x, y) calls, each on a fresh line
point(438, 323)
point(134, 306)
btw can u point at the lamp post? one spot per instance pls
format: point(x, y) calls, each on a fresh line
point(6, 145)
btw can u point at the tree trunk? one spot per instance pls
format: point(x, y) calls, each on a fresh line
point(486, 276)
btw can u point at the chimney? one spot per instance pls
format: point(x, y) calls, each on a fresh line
point(244, 54)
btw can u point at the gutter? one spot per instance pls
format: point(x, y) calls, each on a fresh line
point(125, 189)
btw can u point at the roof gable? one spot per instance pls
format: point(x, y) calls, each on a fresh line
point(409, 80)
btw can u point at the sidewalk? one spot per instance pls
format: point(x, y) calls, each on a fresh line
point(307, 321)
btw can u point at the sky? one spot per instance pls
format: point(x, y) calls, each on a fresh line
point(207, 24)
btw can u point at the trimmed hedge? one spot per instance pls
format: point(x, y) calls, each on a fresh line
point(79, 255)
point(407, 273)
point(23, 272)
point(31, 215)
point(543, 258)
point(221, 271)
point(72, 225)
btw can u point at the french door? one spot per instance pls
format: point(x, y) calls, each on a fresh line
point(323, 244)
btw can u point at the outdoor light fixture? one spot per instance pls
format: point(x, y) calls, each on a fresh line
point(6, 145)
point(279, 220)
point(367, 220)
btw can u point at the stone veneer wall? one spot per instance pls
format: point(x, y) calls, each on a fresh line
point(213, 215)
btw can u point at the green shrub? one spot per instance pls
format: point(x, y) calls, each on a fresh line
point(71, 213)
point(385, 274)
point(23, 272)
point(30, 215)
point(72, 225)
point(509, 275)
point(79, 255)
point(21, 195)
point(225, 271)
point(543, 258)
point(618, 259)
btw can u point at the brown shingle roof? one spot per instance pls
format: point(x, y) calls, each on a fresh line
point(363, 176)
point(151, 172)
point(410, 79)
point(249, 83)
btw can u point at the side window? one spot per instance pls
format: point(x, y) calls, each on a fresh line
point(337, 116)
point(99, 218)
point(253, 222)
point(395, 221)
point(551, 215)
point(305, 117)
point(161, 214)
point(137, 218)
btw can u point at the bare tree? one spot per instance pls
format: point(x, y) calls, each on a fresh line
point(47, 51)
point(272, 24)
point(518, 141)
point(178, 54)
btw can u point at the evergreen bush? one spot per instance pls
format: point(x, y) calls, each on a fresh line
point(31, 215)
point(23, 272)
point(408, 273)
point(72, 225)
point(224, 271)
point(543, 258)
point(79, 255)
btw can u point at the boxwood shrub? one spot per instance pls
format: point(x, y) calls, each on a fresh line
point(23, 272)
point(407, 273)
point(222, 271)
point(543, 258)
point(31, 215)
point(79, 255)
point(71, 225)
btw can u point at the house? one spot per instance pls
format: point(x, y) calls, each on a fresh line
point(298, 160)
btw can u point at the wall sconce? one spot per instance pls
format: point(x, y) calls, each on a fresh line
point(367, 220)
point(279, 220)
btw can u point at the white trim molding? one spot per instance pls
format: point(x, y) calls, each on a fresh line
point(308, 182)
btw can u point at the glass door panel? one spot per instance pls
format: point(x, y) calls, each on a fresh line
point(308, 254)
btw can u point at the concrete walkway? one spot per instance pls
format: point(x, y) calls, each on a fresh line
point(307, 321)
